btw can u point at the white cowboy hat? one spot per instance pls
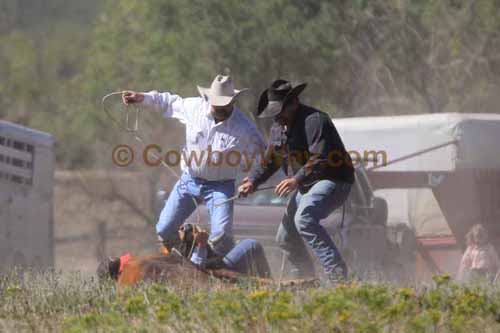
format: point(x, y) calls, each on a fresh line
point(221, 92)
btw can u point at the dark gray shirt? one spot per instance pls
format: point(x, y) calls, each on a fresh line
point(311, 150)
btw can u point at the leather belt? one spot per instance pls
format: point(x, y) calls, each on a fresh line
point(206, 181)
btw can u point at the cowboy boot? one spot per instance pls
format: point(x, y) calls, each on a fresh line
point(167, 245)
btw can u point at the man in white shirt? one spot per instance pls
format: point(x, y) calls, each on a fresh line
point(220, 141)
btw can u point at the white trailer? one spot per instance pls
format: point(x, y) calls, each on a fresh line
point(26, 197)
point(442, 175)
point(436, 144)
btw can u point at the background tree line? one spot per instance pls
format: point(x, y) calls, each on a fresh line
point(360, 58)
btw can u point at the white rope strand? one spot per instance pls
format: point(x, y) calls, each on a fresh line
point(134, 131)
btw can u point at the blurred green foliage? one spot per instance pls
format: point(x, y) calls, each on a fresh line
point(58, 58)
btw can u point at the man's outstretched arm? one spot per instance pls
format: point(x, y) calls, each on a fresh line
point(171, 105)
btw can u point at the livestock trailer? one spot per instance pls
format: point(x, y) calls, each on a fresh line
point(26, 197)
point(440, 175)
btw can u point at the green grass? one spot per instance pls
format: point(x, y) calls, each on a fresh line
point(54, 302)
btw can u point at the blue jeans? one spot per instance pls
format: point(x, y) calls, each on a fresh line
point(248, 257)
point(301, 222)
point(180, 205)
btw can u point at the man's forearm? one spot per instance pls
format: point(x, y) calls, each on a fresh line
point(155, 101)
point(264, 170)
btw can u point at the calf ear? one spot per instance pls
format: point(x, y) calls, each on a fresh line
point(114, 268)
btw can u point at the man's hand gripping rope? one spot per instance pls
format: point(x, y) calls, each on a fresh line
point(244, 190)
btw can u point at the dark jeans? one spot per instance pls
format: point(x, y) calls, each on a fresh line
point(247, 257)
point(301, 222)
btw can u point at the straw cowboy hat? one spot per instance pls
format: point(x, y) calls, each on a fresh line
point(221, 91)
point(273, 99)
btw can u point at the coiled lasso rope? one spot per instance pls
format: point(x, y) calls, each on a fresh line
point(134, 131)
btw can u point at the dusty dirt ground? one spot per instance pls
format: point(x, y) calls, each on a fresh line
point(101, 214)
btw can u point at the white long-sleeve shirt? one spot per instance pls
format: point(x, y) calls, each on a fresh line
point(212, 151)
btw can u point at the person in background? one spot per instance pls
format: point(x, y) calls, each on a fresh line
point(480, 259)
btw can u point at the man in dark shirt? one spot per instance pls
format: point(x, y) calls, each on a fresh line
point(306, 144)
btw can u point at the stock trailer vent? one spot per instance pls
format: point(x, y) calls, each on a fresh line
point(16, 161)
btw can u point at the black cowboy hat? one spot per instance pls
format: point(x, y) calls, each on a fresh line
point(273, 99)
